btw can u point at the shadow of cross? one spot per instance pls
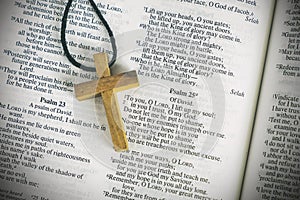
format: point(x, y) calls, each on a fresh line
point(107, 85)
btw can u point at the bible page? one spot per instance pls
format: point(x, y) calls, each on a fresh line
point(273, 170)
point(199, 65)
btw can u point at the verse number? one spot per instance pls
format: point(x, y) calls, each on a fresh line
point(34, 197)
point(62, 104)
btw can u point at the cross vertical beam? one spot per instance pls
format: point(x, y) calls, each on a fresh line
point(111, 106)
point(107, 85)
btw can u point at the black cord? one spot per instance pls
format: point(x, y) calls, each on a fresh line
point(64, 42)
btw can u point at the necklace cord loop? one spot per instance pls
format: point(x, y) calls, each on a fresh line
point(64, 42)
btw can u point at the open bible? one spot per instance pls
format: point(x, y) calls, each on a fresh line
point(215, 116)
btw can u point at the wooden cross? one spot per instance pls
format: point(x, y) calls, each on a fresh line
point(107, 85)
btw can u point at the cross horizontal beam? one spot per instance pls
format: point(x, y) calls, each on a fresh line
point(116, 83)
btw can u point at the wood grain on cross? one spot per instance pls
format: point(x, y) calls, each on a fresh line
point(107, 85)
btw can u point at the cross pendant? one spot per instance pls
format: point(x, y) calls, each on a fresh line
point(107, 85)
